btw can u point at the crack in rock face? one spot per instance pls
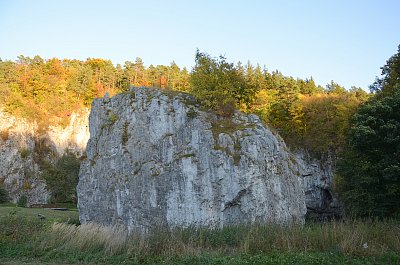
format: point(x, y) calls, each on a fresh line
point(154, 158)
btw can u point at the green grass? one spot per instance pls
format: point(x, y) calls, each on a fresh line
point(71, 215)
point(26, 239)
point(300, 258)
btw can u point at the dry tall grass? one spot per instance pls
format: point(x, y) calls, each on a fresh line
point(112, 240)
point(360, 238)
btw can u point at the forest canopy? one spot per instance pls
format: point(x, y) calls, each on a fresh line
point(304, 113)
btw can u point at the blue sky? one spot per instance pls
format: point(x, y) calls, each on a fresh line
point(345, 41)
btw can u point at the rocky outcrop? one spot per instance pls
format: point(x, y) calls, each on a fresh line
point(321, 200)
point(73, 137)
point(18, 170)
point(155, 159)
point(21, 148)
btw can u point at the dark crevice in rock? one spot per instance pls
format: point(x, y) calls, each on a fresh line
point(236, 200)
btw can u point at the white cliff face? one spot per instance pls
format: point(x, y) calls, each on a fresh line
point(18, 170)
point(154, 159)
point(19, 145)
point(73, 137)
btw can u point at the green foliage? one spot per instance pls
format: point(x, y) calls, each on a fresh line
point(23, 227)
point(62, 178)
point(369, 171)
point(25, 152)
point(389, 83)
point(324, 121)
point(14, 228)
point(219, 85)
point(33, 213)
point(306, 115)
point(226, 125)
point(3, 195)
point(22, 201)
point(48, 90)
point(192, 113)
point(38, 89)
point(370, 168)
point(112, 118)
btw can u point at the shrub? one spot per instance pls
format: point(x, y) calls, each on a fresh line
point(22, 201)
point(191, 113)
point(62, 178)
point(3, 195)
point(25, 152)
point(112, 118)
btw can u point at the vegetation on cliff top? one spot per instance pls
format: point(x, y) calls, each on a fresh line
point(48, 91)
point(220, 85)
point(304, 113)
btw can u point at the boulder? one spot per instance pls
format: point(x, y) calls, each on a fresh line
point(155, 158)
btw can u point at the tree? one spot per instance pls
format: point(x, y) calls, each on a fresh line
point(369, 171)
point(135, 72)
point(219, 84)
point(62, 178)
point(389, 83)
point(81, 82)
point(175, 76)
point(325, 121)
point(308, 86)
point(334, 88)
point(184, 83)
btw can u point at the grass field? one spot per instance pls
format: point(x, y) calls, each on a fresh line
point(27, 239)
point(71, 216)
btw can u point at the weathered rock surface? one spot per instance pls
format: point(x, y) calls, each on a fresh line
point(73, 137)
point(321, 200)
point(20, 143)
point(155, 159)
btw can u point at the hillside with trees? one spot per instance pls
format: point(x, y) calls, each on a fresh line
point(305, 114)
point(40, 89)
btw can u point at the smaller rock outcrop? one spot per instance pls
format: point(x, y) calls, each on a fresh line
point(321, 200)
point(156, 159)
point(22, 148)
point(18, 170)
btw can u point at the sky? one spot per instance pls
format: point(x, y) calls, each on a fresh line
point(346, 41)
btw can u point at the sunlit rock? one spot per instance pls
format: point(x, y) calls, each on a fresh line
point(154, 158)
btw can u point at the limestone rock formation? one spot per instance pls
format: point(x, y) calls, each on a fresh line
point(155, 159)
point(20, 144)
point(321, 200)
